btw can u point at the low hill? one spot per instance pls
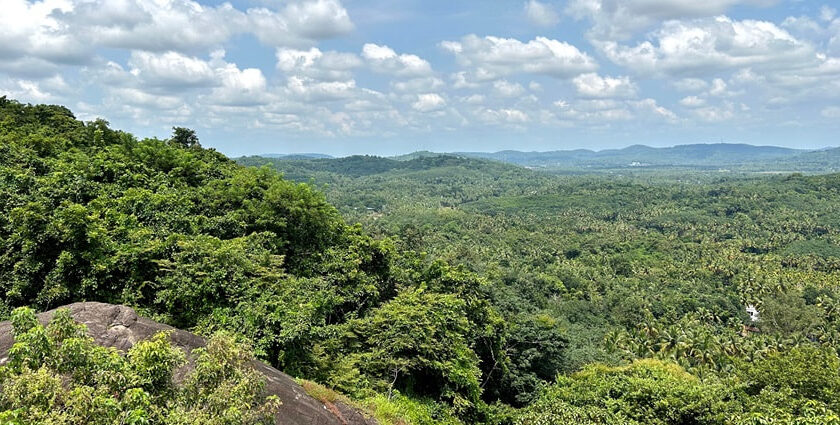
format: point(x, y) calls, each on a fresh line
point(304, 169)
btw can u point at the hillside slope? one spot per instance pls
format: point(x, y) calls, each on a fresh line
point(196, 241)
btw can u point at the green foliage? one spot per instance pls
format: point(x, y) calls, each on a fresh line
point(623, 267)
point(77, 381)
point(647, 391)
point(193, 239)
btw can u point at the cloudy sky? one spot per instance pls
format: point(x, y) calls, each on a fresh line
point(394, 76)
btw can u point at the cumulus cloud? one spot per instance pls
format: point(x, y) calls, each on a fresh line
point(170, 70)
point(33, 31)
point(172, 76)
point(237, 87)
point(721, 89)
point(595, 111)
point(138, 97)
point(621, 19)
point(319, 19)
point(705, 46)
point(593, 85)
point(692, 101)
point(651, 107)
point(318, 91)
point(384, 59)
point(503, 116)
point(505, 88)
point(47, 90)
point(541, 14)
point(314, 63)
point(428, 102)
point(414, 85)
point(491, 57)
point(69, 31)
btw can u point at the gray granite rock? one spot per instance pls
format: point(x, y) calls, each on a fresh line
point(120, 327)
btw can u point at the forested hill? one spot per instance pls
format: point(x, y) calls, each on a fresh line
point(367, 182)
point(301, 169)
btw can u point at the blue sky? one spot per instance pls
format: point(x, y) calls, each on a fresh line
point(388, 77)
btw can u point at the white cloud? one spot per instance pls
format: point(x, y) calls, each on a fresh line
point(170, 69)
point(704, 46)
point(651, 107)
point(803, 26)
point(310, 90)
point(238, 87)
point(721, 89)
point(33, 91)
point(414, 85)
point(314, 63)
point(503, 116)
point(474, 99)
point(140, 98)
point(541, 14)
point(692, 102)
point(32, 30)
point(720, 113)
point(620, 19)
point(595, 111)
point(505, 88)
point(70, 31)
point(593, 85)
point(462, 80)
point(318, 19)
point(598, 112)
point(428, 102)
point(827, 13)
point(491, 57)
point(383, 59)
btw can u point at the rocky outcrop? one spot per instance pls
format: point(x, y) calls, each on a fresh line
point(120, 327)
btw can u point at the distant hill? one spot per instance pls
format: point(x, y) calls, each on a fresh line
point(304, 169)
point(296, 155)
point(694, 155)
point(823, 161)
point(711, 156)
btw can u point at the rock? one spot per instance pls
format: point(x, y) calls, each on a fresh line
point(120, 327)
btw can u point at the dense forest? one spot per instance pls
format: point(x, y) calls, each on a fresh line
point(438, 289)
point(619, 269)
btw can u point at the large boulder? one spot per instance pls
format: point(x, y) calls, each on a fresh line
point(120, 327)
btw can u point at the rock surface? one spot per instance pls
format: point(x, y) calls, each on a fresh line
point(120, 327)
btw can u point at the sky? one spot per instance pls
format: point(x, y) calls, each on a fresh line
point(388, 77)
